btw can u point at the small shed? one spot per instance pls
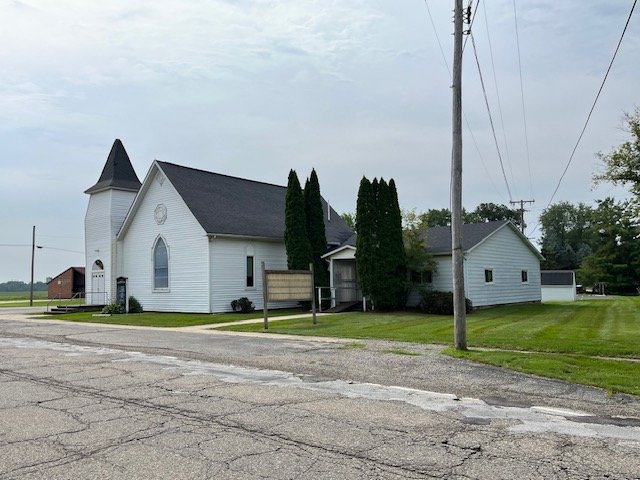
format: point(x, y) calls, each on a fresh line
point(67, 283)
point(558, 285)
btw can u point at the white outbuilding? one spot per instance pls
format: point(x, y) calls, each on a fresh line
point(558, 285)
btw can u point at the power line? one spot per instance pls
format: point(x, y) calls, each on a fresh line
point(61, 249)
point(466, 120)
point(39, 246)
point(593, 106)
point(495, 82)
point(486, 101)
point(524, 113)
point(473, 17)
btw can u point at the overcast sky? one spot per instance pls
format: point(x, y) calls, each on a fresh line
point(253, 88)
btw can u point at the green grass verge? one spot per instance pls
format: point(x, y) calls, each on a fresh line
point(561, 340)
point(167, 320)
point(603, 327)
point(40, 303)
point(612, 375)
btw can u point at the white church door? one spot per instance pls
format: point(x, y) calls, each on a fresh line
point(97, 295)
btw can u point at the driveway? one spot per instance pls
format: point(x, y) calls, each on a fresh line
point(81, 401)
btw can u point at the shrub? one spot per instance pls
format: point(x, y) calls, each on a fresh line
point(134, 305)
point(242, 305)
point(113, 309)
point(439, 303)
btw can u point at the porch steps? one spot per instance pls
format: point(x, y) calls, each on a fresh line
point(345, 307)
point(75, 309)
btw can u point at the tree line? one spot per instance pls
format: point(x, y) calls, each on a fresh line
point(19, 286)
point(441, 217)
point(601, 241)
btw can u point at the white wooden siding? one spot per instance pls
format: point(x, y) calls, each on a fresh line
point(228, 270)
point(105, 213)
point(506, 254)
point(187, 245)
point(442, 280)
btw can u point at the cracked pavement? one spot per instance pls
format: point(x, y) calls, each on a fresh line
point(84, 401)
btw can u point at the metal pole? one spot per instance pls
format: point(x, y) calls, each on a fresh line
point(33, 251)
point(459, 313)
point(313, 297)
point(265, 297)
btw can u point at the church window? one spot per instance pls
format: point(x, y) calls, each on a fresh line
point(160, 265)
point(250, 271)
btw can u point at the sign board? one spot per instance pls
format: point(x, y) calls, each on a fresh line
point(287, 286)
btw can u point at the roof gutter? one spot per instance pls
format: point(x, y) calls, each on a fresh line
point(231, 236)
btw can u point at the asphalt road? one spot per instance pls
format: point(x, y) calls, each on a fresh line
point(82, 401)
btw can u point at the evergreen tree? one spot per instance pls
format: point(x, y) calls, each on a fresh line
point(315, 229)
point(380, 254)
point(397, 250)
point(295, 230)
point(366, 242)
point(390, 285)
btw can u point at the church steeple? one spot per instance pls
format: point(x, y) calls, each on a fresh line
point(118, 173)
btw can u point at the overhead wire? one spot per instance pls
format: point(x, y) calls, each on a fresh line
point(493, 130)
point(593, 106)
point(524, 111)
point(495, 82)
point(444, 59)
point(473, 17)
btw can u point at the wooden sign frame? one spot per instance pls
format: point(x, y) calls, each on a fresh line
point(285, 286)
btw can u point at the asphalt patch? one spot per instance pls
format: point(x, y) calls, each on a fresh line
point(506, 402)
point(606, 420)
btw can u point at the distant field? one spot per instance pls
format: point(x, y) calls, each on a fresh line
point(5, 296)
point(21, 299)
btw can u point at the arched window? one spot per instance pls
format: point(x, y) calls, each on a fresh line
point(97, 265)
point(160, 265)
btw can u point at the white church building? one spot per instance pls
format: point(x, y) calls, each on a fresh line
point(184, 240)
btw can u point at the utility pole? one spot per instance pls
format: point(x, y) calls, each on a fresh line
point(521, 210)
point(459, 304)
point(33, 251)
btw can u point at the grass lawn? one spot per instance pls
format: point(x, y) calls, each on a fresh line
point(612, 375)
point(159, 319)
point(565, 336)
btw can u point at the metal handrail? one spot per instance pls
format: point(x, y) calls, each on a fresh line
point(76, 296)
point(332, 297)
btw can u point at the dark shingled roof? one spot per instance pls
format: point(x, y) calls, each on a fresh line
point(225, 205)
point(439, 238)
point(118, 172)
point(556, 277)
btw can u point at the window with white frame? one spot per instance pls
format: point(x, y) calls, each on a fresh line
point(524, 275)
point(488, 275)
point(160, 265)
point(250, 271)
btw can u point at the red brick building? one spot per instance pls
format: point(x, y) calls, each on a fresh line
point(68, 283)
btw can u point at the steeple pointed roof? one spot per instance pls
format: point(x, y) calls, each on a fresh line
point(118, 173)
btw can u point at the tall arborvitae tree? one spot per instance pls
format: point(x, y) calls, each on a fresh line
point(366, 243)
point(315, 229)
point(382, 280)
point(397, 253)
point(295, 230)
point(380, 254)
